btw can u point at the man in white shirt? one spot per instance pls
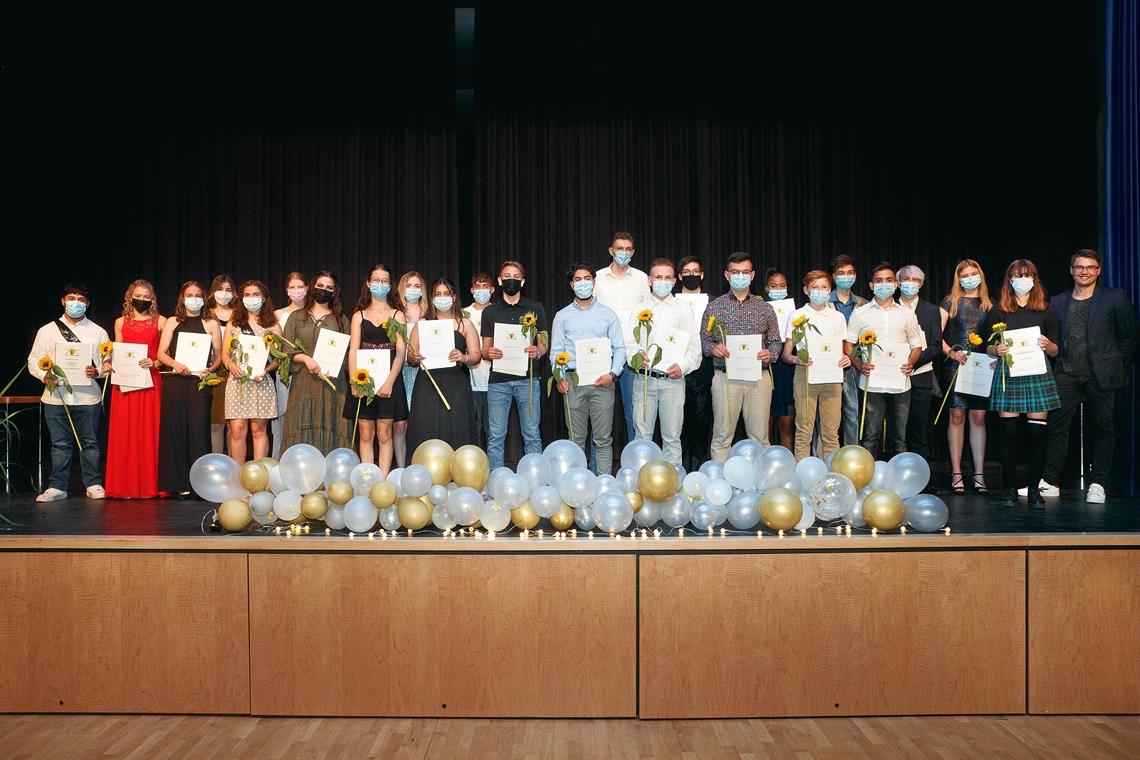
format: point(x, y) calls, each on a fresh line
point(622, 287)
point(659, 390)
point(482, 288)
point(895, 329)
point(72, 331)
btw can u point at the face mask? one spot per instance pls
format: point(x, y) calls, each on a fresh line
point(662, 288)
point(909, 289)
point(140, 305)
point(970, 283)
point(691, 281)
point(322, 296)
point(443, 303)
point(223, 297)
point(412, 295)
point(379, 290)
point(820, 296)
point(512, 286)
point(884, 290)
point(75, 309)
point(623, 258)
point(252, 303)
point(845, 281)
point(1021, 285)
point(583, 289)
point(777, 295)
point(482, 296)
point(740, 282)
point(296, 295)
point(192, 303)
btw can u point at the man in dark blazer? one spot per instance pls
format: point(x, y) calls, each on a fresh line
point(1097, 350)
point(922, 381)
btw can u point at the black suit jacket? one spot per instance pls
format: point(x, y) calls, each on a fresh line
point(1112, 334)
point(929, 318)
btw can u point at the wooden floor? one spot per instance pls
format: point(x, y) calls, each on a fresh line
point(152, 737)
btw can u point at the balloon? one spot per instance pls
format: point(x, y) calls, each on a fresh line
point(363, 477)
point(334, 517)
point(810, 469)
point(545, 501)
point(435, 455)
point(534, 469)
point(855, 516)
point(394, 477)
point(856, 463)
point(911, 472)
point(608, 484)
point(794, 485)
point(747, 448)
point(883, 479)
point(636, 501)
point(359, 514)
point(657, 480)
point(832, 497)
point(694, 484)
point(416, 480)
point(829, 458)
point(612, 513)
point(340, 491)
point(441, 518)
point(718, 492)
point(215, 477)
point(470, 467)
point(704, 515)
point(738, 471)
point(744, 509)
point(883, 510)
point(649, 513)
point(266, 519)
point(495, 516)
point(269, 462)
point(414, 514)
point(437, 495)
point(676, 511)
point(339, 464)
point(627, 479)
point(511, 491)
point(261, 503)
point(464, 505)
point(276, 484)
point(681, 473)
point(496, 475)
point(578, 487)
point(524, 517)
point(389, 518)
point(563, 518)
point(807, 519)
point(774, 467)
point(713, 470)
point(640, 452)
point(314, 505)
point(234, 514)
point(584, 518)
point(254, 477)
point(562, 455)
point(926, 512)
point(287, 505)
point(780, 509)
point(383, 495)
point(302, 469)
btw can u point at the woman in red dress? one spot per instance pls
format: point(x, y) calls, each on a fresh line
point(132, 442)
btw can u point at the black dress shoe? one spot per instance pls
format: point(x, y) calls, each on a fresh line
point(1035, 497)
point(1009, 497)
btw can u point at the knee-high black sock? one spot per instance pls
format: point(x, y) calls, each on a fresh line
point(1009, 453)
point(1038, 442)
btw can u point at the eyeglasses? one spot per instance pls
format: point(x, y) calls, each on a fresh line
point(1091, 268)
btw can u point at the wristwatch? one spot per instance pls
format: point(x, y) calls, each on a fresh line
point(614, 376)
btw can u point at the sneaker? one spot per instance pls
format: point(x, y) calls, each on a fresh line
point(1095, 494)
point(1044, 487)
point(96, 492)
point(52, 494)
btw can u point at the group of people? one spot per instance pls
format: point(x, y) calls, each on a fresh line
point(686, 365)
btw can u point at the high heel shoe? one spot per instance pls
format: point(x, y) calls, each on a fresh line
point(980, 483)
point(957, 484)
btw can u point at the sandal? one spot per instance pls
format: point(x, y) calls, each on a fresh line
point(980, 483)
point(957, 484)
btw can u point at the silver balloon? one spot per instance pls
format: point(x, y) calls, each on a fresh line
point(608, 484)
point(496, 475)
point(855, 516)
point(261, 503)
point(718, 492)
point(713, 470)
point(437, 495)
point(584, 518)
point(681, 473)
point(795, 485)
point(649, 514)
point(511, 491)
point(627, 479)
point(694, 484)
point(395, 477)
point(389, 518)
point(612, 513)
point(465, 505)
point(578, 487)
point(359, 514)
point(810, 469)
point(640, 452)
point(267, 519)
point(441, 518)
point(703, 515)
point(911, 473)
point(214, 477)
point(495, 516)
point(545, 501)
point(416, 480)
point(276, 485)
point(534, 469)
point(832, 497)
point(287, 505)
point(883, 479)
point(364, 476)
point(562, 455)
point(339, 463)
point(334, 517)
point(676, 511)
point(738, 471)
point(807, 519)
point(744, 510)
point(747, 448)
point(302, 468)
point(827, 459)
point(774, 467)
point(926, 512)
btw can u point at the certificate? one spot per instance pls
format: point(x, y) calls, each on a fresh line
point(512, 341)
point(330, 351)
point(74, 359)
point(783, 308)
point(593, 358)
point(378, 362)
point(975, 377)
point(125, 369)
point(888, 359)
point(673, 343)
point(824, 352)
point(193, 350)
point(437, 340)
point(256, 354)
point(697, 302)
point(1028, 357)
point(742, 363)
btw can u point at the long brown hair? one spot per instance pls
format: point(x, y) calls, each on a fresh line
point(152, 312)
point(265, 317)
point(180, 308)
point(211, 302)
point(334, 304)
point(957, 293)
point(1038, 298)
point(400, 290)
point(456, 309)
point(365, 299)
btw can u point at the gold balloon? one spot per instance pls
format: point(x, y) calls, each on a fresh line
point(269, 462)
point(524, 517)
point(234, 514)
point(254, 477)
point(856, 463)
point(781, 508)
point(563, 518)
point(435, 455)
point(883, 510)
point(657, 480)
point(470, 467)
point(340, 491)
point(382, 495)
point(413, 513)
point(314, 506)
point(636, 500)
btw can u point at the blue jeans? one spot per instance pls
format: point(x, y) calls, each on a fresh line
point(86, 419)
point(625, 383)
point(499, 397)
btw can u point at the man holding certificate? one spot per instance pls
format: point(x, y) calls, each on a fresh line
point(589, 336)
point(885, 380)
point(659, 389)
point(740, 385)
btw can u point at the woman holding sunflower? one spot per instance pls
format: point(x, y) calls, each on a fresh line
point(251, 401)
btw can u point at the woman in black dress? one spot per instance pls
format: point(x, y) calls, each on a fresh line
point(184, 434)
point(432, 419)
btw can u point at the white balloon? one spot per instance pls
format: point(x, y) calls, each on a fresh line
point(334, 517)
point(794, 485)
point(855, 516)
point(744, 510)
point(267, 519)
point(395, 477)
point(578, 487)
point(807, 519)
point(441, 518)
point(774, 467)
point(718, 492)
point(302, 468)
point(496, 474)
point(534, 469)
point(364, 476)
point(649, 514)
point(640, 452)
point(287, 505)
point(495, 516)
point(738, 471)
point(390, 518)
point(694, 484)
point(884, 477)
point(416, 480)
point(437, 495)
point(339, 464)
point(810, 470)
point(676, 511)
point(911, 473)
point(465, 505)
point(214, 477)
point(562, 455)
point(276, 485)
point(612, 513)
point(627, 480)
point(713, 470)
point(511, 491)
point(747, 448)
point(704, 515)
point(359, 514)
point(584, 518)
point(261, 503)
point(608, 484)
point(545, 501)
point(832, 497)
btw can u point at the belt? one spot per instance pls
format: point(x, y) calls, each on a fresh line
point(659, 374)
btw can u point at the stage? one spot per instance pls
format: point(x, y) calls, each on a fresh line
point(137, 607)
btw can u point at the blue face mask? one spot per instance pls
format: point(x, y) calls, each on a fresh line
point(623, 258)
point(740, 282)
point(584, 289)
point(482, 296)
point(777, 295)
point(413, 295)
point(970, 283)
point(662, 288)
point(379, 290)
point(1021, 285)
point(845, 281)
point(820, 296)
point(884, 290)
point(75, 309)
point(909, 289)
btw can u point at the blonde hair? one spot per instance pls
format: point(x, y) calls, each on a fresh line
point(403, 283)
point(957, 293)
point(152, 312)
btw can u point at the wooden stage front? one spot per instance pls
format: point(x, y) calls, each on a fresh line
point(689, 627)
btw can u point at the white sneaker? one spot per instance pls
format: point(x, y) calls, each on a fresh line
point(96, 492)
point(52, 494)
point(1095, 494)
point(1044, 487)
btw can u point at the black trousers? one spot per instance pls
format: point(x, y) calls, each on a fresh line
point(696, 431)
point(918, 423)
point(1099, 404)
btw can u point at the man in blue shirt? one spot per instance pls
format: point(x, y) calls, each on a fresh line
point(845, 302)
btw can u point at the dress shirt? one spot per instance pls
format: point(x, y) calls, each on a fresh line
point(678, 315)
point(574, 322)
point(752, 316)
point(622, 294)
point(47, 339)
point(892, 323)
point(829, 320)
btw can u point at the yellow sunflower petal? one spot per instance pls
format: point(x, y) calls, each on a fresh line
point(45, 363)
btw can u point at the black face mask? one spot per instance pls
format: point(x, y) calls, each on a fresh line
point(141, 306)
point(322, 296)
point(691, 281)
point(512, 286)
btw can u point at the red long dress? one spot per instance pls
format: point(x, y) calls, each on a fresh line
point(132, 441)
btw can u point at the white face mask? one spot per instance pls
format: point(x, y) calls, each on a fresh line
point(192, 303)
point(297, 295)
point(443, 303)
point(252, 304)
point(223, 297)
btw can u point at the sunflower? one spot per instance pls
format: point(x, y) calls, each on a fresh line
point(45, 364)
point(562, 359)
point(361, 376)
point(974, 339)
point(867, 338)
point(105, 348)
point(712, 322)
point(213, 381)
point(268, 338)
point(645, 315)
point(999, 327)
point(799, 321)
point(529, 319)
point(235, 344)
point(384, 324)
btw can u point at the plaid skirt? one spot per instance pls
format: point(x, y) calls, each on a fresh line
point(1034, 393)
